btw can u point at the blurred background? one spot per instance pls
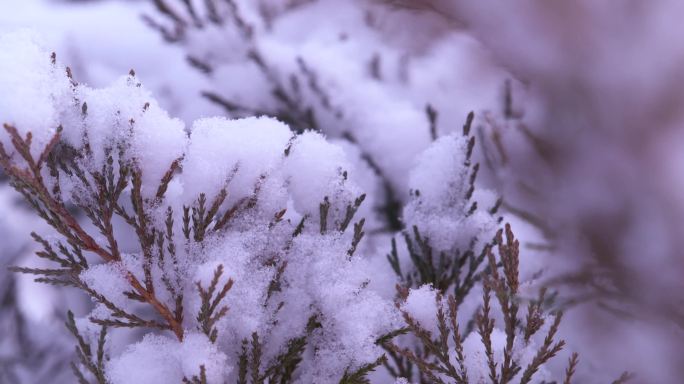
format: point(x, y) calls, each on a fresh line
point(579, 115)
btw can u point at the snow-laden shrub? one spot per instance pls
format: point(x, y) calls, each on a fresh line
point(449, 221)
point(29, 348)
point(491, 354)
point(342, 68)
point(234, 246)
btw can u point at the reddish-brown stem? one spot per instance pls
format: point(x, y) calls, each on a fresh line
point(33, 178)
point(162, 309)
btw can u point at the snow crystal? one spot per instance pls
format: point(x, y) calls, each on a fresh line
point(158, 141)
point(368, 182)
point(353, 316)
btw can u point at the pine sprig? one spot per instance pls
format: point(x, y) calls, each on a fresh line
point(201, 379)
point(358, 376)
point(104, 191)
point(442, 355)
point(209, 312)
point(92, 362)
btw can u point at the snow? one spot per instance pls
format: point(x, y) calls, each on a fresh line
point(320, 279)
point(378, 67)
point(315, 169)
point(125, 113)
point(439, 208)
point(421, 305)
point(353, 316)
point(234, 153)
point(317, 281)
point(33, 90)
point(246, 299)
point(108, 280)
point(159, 360)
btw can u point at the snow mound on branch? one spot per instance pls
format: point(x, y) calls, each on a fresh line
point(421, 305)
point(317, 168)
point(37, 97)
point(234, 153)
point(125, 113)
point(161, 360)
point(439, 208)
point(281, 280)
point(33, 89)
